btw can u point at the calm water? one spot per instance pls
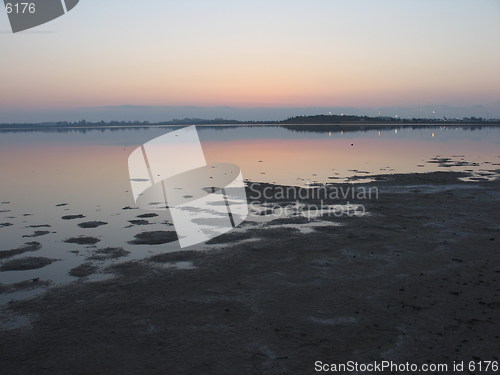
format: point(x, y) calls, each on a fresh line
point(87, 171)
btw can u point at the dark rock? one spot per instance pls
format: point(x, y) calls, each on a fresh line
point(72, 217)
point(154, 238)
point(83, 240)
point(92, 224)
point(28, 246)
point(37, 233)
point(109, 253)
point(139, 222)
point(145, 216)
point(29, 263)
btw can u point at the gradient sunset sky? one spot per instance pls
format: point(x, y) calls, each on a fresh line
point(251, 54)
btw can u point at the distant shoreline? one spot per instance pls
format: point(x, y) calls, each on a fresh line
point(306, 121)
point(301, 126)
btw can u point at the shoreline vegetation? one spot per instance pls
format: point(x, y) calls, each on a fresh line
point(308, 122)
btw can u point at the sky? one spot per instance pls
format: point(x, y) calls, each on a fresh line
point(161, 59)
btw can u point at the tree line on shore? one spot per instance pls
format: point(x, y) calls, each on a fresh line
point(298, 120)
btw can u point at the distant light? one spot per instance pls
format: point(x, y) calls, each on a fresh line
point(379, 133)
point(396, 131)
point(433, 135)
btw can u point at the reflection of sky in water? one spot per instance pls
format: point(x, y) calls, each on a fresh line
point(297, 158)
point(88, 170)
point(71, 163)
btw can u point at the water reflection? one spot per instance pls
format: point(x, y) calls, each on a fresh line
point(82, 175)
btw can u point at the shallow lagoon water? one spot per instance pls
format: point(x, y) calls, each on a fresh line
point(51, 174)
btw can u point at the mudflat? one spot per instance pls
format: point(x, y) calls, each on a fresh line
point(416, 279)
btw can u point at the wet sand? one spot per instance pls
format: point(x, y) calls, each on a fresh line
point(27, 247)
point(417, 279)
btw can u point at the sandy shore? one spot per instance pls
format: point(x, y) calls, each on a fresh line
point(417, 279)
